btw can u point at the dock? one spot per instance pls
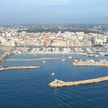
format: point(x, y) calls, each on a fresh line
point(103, 63)
point(59, 83)
point(19, 67)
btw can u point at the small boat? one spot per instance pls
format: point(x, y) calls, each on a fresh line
point(70, 57)
point(90, 55)
point(63, 59)
point(93, 55)
point(43, 61)
point(106, 54)
point(53, 74)
point(96, 55)
point(75, 60)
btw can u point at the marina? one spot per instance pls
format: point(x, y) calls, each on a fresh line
point(91, 62)
point(54, 54)
point(20, 84)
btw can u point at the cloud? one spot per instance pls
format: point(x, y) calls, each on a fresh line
point(45, 2)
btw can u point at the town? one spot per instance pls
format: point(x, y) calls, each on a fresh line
point(24, 41)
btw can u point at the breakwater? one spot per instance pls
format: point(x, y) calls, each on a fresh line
point(4, 57)
point(59, 83)
point(39, 59)
point(34, 59)
point(20, 67)
point(89, 63)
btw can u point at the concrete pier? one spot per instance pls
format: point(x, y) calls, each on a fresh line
point(58, 83)
point(20, 67)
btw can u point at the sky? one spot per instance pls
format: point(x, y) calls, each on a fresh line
point(53, 11)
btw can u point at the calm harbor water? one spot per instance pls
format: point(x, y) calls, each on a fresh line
point(29, 88)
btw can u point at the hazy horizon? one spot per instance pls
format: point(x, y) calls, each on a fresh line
point(53, 12)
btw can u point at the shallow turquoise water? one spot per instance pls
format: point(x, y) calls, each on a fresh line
point(29, 88)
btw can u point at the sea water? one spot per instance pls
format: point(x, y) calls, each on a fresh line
point(29, 88)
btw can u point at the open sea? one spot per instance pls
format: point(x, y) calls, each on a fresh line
point(29, 88)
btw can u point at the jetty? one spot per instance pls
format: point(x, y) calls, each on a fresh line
point(59, 83)
point(19, 67)
point(91, 62)
point(33, 59)
point(4, 57)
point(39, 59)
